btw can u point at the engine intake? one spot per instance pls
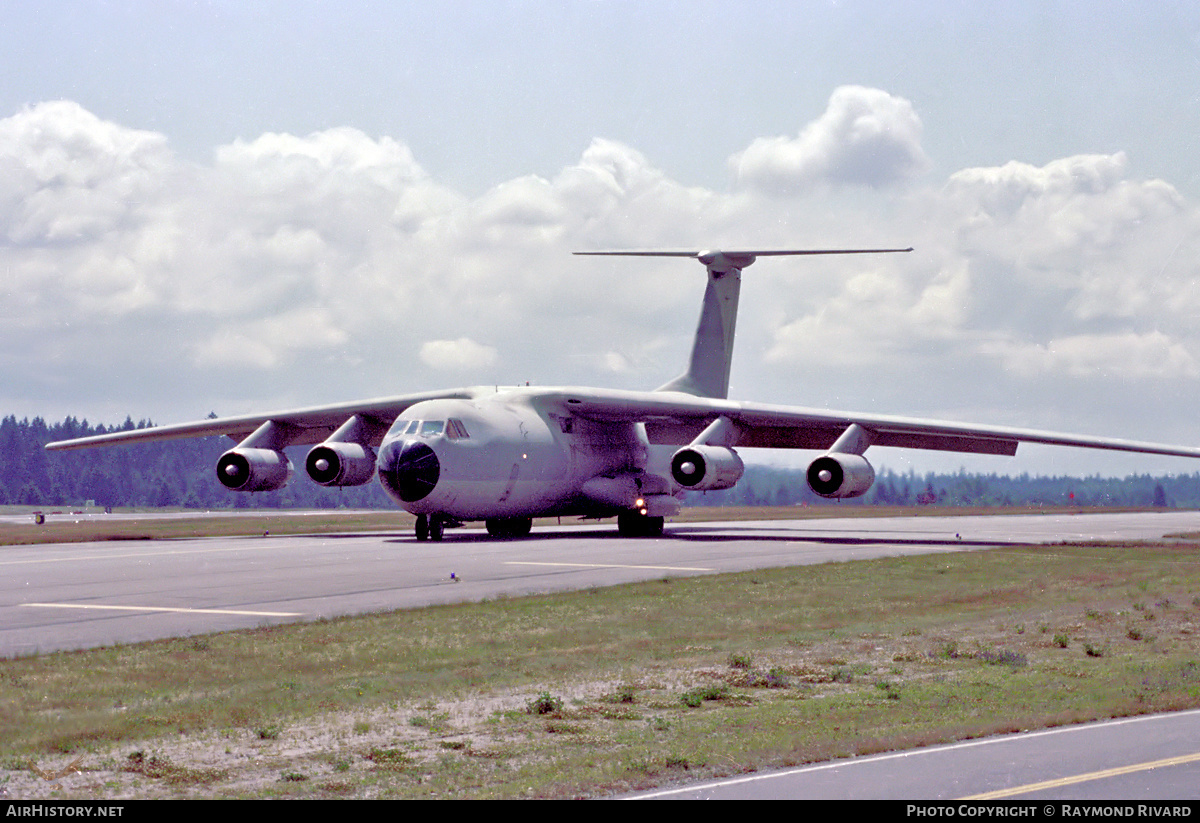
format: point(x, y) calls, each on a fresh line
point(706, 468)
point(253, 470)
point(340, 464)
point(840, 475)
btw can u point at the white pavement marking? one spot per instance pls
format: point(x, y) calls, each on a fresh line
point(609, 566)
point(160, 609)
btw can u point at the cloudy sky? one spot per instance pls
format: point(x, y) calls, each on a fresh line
point(236, 207)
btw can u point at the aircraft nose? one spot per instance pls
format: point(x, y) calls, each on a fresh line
point(409, 470)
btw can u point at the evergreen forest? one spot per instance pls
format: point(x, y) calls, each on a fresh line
point(166, 473)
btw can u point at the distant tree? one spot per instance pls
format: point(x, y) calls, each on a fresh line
point(30, 495)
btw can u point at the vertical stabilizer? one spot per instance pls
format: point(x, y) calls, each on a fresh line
point(707, 373)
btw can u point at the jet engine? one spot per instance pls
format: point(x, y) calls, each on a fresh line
point(253, 470)
point(340, 464)
point(840, 475)
point(706, 468)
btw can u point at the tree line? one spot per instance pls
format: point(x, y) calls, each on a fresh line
point(164, 473)
point(182, 473)
point(767, 486)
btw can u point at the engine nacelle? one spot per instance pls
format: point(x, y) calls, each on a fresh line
point(340, 464)
point(840, 475)
point(706, 468)
point(253, 470)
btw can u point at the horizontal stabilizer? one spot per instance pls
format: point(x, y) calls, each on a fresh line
point(719, 262)
point(734, 253)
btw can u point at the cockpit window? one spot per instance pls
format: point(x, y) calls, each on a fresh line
point(402, 426)
point(454, 429)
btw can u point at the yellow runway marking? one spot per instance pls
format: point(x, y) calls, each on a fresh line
point(1084, 778)
point(161, 609)
point(609, 566)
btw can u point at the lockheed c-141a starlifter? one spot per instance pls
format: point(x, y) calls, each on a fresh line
point(505, 456)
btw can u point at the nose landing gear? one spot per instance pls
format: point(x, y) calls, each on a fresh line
point(430, 527)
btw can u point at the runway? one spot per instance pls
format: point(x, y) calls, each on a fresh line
point(81, 595)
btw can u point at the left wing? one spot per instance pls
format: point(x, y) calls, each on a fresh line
point(672, 418)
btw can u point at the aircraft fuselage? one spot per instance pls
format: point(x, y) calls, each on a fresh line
point(507, 455)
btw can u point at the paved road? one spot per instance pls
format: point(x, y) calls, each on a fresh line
point(1132, 760)
point(81, 595)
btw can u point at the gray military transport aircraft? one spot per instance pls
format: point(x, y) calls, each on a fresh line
point(507, 455)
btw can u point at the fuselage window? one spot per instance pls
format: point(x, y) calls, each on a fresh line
point(399, 426)
point(455, 429)
point(431, 427)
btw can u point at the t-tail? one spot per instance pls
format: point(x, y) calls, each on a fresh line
point(707, 373)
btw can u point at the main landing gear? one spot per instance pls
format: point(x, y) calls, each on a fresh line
point(430, 527)
point(636, 524)
point(629, 524)
point(509, 526)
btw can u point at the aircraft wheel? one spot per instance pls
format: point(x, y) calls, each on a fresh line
point(633, 524)
point(437, 528)
point(422, 527)
point(506, 527)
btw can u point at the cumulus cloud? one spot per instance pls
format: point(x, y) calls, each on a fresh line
point(877, 318)
point(69, 177)
point(262, 343)
point(866, 137)
point(1004, 190)
point(1121, 356)
point(463, 354)
point(1049, 289)
point(305, 160)
point(1076, 244)
point(307, 269)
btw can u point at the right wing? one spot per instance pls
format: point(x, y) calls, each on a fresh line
point(311, 425)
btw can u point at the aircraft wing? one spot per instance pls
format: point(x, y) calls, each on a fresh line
point(674, 418)
point(312, 425)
